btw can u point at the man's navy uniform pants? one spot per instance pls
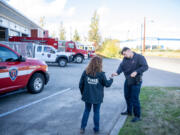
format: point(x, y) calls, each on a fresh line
point(131, 94)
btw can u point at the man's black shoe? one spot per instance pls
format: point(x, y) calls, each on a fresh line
point(82, 131)
point(96, 132)
point(126, 113)
point(135, 119)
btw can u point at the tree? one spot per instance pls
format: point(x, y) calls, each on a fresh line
point(42, 21)
point(110, 48)
point(62, 32)
point(94, 35)
point(54, 34)
point(76, 36)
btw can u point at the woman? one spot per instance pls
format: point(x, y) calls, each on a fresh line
point(91, 86)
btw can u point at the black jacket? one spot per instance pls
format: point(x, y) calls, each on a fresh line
point(92, 88)
point(128, 65)
point(137, 63)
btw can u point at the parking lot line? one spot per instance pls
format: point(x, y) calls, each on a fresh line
point(34, 102)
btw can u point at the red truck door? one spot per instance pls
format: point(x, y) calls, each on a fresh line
point(12, 73)
point(70, 47)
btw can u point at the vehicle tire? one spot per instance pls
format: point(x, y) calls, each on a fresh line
point(36, 83)
point(62, 62)
point(78, 59)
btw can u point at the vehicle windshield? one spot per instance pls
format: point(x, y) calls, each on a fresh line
point(71, 45)
point(7, 55)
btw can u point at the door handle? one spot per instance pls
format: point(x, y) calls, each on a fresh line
point(3, 67)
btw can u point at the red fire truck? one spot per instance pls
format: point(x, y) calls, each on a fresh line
point(42, 41)
point(89, 48)
point(19, 72)
point(70, 46)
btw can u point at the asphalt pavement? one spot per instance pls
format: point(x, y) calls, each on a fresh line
point(164, 63)
point(58, 109)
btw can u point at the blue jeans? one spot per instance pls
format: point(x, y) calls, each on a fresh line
point(96, 108)
point(131, 94)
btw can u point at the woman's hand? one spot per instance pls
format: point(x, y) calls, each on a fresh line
point(114, 74)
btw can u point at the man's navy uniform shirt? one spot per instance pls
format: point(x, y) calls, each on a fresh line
point(136, 63)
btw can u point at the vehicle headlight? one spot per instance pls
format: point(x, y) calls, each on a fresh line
point(47, 68)
point(43, 62)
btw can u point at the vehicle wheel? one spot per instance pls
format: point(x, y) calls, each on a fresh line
point(62, 62)
point(79, 59)
point(36, 83)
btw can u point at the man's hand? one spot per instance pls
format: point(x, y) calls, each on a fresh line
point(114, 74)
point(133, 74)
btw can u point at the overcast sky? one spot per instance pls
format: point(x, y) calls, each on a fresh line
point(119, 19)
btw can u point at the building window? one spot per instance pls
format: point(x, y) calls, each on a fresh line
point(14, 33)
point(2, 34)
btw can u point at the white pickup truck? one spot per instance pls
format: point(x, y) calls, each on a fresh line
point(42, 52)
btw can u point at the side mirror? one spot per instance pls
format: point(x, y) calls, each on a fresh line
point(22, 59)
point(52, 51)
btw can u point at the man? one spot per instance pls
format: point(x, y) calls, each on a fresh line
point(133, 66)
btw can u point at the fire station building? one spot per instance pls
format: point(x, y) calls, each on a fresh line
point(13, 23)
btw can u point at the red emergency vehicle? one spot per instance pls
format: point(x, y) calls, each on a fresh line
point(89, 48)
point(70, 46)
point(19, 72)
point(42, 41)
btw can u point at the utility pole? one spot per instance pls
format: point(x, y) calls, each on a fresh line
point(141, 39)
point(144, 45)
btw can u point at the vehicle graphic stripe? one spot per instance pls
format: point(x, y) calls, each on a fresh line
point(20, 73)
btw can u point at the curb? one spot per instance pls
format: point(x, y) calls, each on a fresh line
point(119, 124)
